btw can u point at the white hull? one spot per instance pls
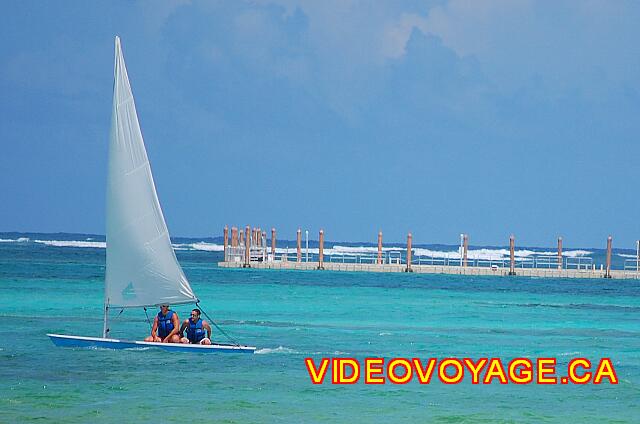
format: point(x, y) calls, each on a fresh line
point(80, 341)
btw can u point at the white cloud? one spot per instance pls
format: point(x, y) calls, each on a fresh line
point(397, 33)
point(474, 27)
point(155, 13)
point(566, 44)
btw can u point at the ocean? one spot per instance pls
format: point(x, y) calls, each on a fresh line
point(54, 283)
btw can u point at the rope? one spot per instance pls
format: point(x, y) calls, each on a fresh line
point(148, 320)
point(234, 341)
point(120, 313)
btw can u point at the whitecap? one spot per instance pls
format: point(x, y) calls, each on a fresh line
point(18, 240)
point(207, 247)
point(73, 243)
point(89, 243)
point(479, 254)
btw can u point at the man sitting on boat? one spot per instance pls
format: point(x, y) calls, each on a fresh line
point(196, 328)
point(165, 325)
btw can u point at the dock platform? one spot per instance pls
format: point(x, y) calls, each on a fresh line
point(435, 269)
point(251, 250)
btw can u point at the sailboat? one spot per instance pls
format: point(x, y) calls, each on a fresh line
point(142, 269)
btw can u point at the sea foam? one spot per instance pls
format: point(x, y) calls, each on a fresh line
point(18, 240)
point(73, 243)
point(279, 349)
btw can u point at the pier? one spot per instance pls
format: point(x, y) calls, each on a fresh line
point(256, 253)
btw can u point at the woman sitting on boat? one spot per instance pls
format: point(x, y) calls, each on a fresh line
point(196, 329)
point(165, 325)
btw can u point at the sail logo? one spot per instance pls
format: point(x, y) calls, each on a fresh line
point(129, 292)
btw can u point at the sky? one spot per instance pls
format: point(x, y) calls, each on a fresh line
point(431, 117)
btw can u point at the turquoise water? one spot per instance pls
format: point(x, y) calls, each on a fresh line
point(292, 315)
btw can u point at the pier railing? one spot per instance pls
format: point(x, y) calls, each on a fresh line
point(399, 257)
point(631, 265)
point(237, 241)
point(579, 262)
point(234, 254)
point(292, 256)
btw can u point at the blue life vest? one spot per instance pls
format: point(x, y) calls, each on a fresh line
point(165, 324)
point(195, 332)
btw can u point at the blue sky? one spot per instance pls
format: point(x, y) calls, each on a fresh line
point(436, 117)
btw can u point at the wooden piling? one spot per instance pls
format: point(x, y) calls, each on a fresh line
point(273, 242)
point(559, 252)
point(608, 270)
point(465, 249)
point(299, 245)
point(409, 240)
point(234, 237)
point(225, 233)
point(379, 247)
point(321, 250)
point(247, 247)
point(512, 255)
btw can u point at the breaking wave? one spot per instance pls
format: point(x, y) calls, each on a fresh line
point(73, 243)
point(209, 247)
point(18, 240)
point(204, 246)
point(482, 254)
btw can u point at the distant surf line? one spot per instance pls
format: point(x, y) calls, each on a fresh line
point(336, 249)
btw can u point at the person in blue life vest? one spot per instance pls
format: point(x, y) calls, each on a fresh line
point(165, 327)
point(197, 330)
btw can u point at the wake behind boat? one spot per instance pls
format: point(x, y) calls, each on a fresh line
point(142, 269)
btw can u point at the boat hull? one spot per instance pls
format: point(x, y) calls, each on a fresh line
point(81, 341)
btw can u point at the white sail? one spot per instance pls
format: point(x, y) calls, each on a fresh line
point(142, 269)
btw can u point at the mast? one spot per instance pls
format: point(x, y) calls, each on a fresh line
point(105, 324)
point(105, 321)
